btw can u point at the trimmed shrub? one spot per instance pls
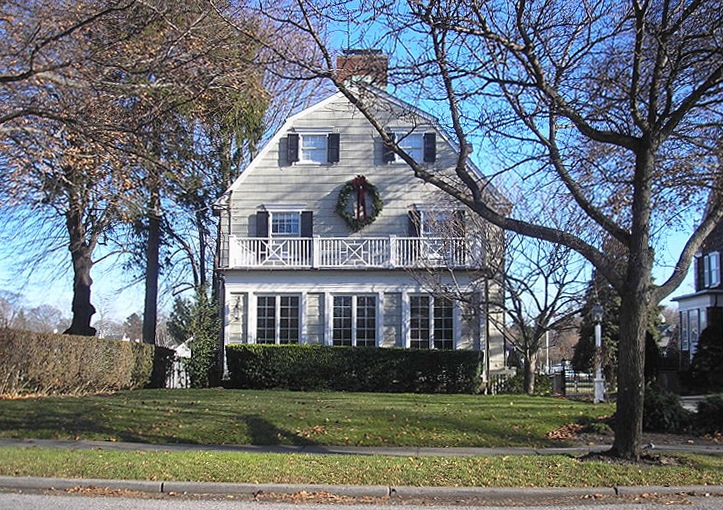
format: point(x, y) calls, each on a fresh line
point(515, 385)
point(316, 367)
point(709, 419)
point(57, 364)
point(663, 412)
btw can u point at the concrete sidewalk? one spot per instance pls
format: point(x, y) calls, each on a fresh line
point(473, 494)
point(707, 449)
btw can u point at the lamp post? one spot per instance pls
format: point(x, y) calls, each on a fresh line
point(599, 382)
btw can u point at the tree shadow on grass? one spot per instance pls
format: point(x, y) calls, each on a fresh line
point(264, 433)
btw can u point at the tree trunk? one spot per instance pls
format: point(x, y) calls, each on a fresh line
point(81, 254)
point(529, 377)
point(634, 308)
point(150, 308)
point(631, 377)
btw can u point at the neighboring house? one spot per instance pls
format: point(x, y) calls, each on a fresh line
point(328, 238)
point(705, 305)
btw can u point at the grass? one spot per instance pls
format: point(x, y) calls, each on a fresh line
point(291, 418)
point(288, 418)
point(498, 471)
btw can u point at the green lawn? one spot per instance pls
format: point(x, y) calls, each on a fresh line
point(490, 471)
point(288, 418)
point(291, 418)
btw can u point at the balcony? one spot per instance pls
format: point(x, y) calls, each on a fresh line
point(353, 253)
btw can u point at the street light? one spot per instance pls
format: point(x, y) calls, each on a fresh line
point(599, 382)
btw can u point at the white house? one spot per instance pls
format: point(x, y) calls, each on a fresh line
point(328, 238)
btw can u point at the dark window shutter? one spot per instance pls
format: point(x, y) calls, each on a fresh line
point(698, 265)
point(415, 223)
point(430, 147)
point(262, 224)
point(292, 147)
point(332, 147)
point(307, 224)
point(459, 225)
point(388, 155)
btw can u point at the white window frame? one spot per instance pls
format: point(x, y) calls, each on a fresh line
point(277, 318)
point(403, 139)
point(431, 308)
point(295, 216)
point(712, 269)
point(320, 152)
point(354, 316)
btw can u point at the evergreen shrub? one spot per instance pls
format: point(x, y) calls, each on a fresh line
point(65, 364)
point(361, 369)
point(709, 419)
point(663, 412)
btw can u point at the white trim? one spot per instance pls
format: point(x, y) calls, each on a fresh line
point(283, 207)
point(380, 319)
point(405, 329)
point(303, 336)
point(456, 325)
point(311, 130)
point(328, 318)
point(251, 318)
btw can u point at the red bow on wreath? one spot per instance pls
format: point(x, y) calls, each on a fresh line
point(360, 184)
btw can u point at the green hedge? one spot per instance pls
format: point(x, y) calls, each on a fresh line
point(308, 368)
point(58, 364)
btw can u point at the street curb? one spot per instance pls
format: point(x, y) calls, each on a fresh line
point(371, 491)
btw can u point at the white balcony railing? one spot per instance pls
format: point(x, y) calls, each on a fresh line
point(343, 252)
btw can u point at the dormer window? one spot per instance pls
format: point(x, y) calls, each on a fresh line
point(422, 147)
point(711, 269)
point(313, 146)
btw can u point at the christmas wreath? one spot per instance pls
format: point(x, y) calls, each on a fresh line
point(366, 204)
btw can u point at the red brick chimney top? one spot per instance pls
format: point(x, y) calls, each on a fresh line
point(368, 66)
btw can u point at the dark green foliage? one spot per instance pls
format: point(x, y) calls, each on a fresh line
point(309, 368)
point(709, 419)
point(584, 356)
point(516, 385)
point(706, 369)
point(663, 412)
point(197, 321)
point(58, 364)
point(162, 366)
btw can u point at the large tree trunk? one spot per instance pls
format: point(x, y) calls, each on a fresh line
point(150, 308)
point(634, 308)
point(81, 253)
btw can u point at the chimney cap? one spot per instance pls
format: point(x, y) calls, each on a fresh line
point(357, 51)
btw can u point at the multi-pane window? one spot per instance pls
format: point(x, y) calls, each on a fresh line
point(285, 224)
point(431, 322)
point(313, 148)
point(412, 144)
point(420, 321)
point(355, 321)
point(422, 147)
point(277, 320)
point(711, 269)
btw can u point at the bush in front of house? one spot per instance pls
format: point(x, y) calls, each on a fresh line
point(367, 369)
point(663, 412)
point(709, 419)
point(515, 385)
point(59, 364)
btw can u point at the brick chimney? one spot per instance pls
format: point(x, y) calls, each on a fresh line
point(368, 66)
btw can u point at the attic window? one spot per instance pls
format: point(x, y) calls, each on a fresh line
point(313, 147)
point(422, 147)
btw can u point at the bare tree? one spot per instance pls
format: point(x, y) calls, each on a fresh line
point(614, 107)
point(544, 286)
